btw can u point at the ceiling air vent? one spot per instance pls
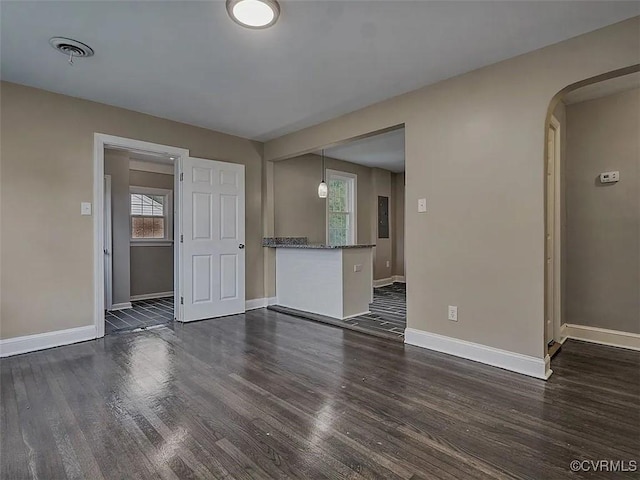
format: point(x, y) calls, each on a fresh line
point(71, 48)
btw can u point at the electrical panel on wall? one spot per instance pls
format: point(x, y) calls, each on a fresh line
point(609, 177)
point(383, 217)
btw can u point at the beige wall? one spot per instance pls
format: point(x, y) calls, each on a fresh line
point(397, 223)
point(298, 210)
point(475, 149)
point(116, 164)
point(603, 221)
point(47, 170)
point(382, 254)
point(151, 266)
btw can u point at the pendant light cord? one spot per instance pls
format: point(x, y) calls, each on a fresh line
point(323, 165)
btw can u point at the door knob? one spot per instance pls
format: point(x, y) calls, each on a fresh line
point(241, 246)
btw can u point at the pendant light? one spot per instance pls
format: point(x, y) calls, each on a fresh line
point(323, 190)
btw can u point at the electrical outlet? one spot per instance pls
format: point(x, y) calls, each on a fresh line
point(453, 313)
point(388, 263)
point(357, 268)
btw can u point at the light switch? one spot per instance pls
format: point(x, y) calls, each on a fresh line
point(85, 208)
point(357, 268)
point(422, 205)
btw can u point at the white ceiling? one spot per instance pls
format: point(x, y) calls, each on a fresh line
point(187, 61)
point(382, 151)
point(603, 89)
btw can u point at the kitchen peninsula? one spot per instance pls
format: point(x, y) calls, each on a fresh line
point(331, 280)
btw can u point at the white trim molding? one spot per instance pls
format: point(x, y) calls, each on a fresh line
point(41, 341)
point(563, 333)
point(356, 315)
point(603, 336)
point(260, 303)
point(151, 296)
point(353, 194)
point(119, 306)
point(153, 167)
point(515, 362)
point(100, 142)
point(382, 282)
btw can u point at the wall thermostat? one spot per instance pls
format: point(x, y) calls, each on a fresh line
point(609, 177)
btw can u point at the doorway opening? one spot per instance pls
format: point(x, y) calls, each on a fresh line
point(384, 154)
point(364, 210)
point(139, 213)
point(111, 189)
point(202, 219)
point(592, 259)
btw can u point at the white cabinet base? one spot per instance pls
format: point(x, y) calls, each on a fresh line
point(335, 282)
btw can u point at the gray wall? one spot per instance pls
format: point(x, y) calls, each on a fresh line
point(397, 223)
point(47, 147)
point(603, 221)
point(299, 212)
point(116, 164)
point(382, 254)
point(151, 266)
point(474, 147)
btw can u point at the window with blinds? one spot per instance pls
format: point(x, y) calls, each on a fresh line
point(149, 215)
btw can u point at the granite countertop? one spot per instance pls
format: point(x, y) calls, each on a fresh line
point(302, 242)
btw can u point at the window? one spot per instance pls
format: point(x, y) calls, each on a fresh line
point(341, 208)
point(151, 218)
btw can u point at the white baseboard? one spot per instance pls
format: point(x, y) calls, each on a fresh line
point(603, 336)
point(151, 296)
point(40, 341)
point(515, 362)
point(356, 315)
point(382, 282)
point(563, 333)
point(120, 306)
point(260, 303)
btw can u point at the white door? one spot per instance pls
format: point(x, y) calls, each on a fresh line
point(213, 239)
point(108, 262)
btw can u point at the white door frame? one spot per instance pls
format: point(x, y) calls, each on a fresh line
point(556, 234)
point(100, 141)
point(108, 247)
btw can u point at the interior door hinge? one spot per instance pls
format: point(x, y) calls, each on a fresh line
point(181, 300)
point(181, 238)
point(181, 176)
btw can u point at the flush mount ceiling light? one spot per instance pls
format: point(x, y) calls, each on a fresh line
point(255, 14)
point(71, 48)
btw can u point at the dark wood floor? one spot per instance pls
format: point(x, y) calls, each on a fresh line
point(271, 396)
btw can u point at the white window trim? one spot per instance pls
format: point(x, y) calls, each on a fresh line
point(153, 242)
point(354, 202)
